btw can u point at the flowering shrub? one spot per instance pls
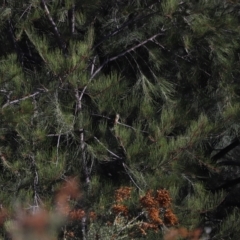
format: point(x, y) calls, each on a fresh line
point(155, 214)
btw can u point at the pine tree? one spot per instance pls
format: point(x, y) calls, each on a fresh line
point(132, 97)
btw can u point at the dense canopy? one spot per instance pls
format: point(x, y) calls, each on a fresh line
point(121, 118)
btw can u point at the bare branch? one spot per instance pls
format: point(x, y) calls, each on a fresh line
point(119, 123)
point(78, 106)
point(112, 153)
point(93, 65)
point(78, 110)
point(57, 134)
point(136, 46)
point(21, 99)
point(58, 143)
point(61, 43)
point(124, 25)
point(130, 223)
point(26, 10)
point(71, 15)
point(116, 57)
point(35, 185)
point(127, 171)
point(84, 226)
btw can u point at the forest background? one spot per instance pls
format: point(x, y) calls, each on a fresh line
point(119, 119)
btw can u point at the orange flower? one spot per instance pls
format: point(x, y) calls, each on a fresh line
point(163, 198)
point(148, 200)
point(153, 214)
point(170, 218)
point(122, 193)
point(153, 204)
point(76, 214)
point(120, 209)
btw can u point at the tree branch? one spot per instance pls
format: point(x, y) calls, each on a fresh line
point(112, 153)
point(21, 99)
point(124, 25)
point(116, 57)
point(136, 46)
point(78, 110)
point(60, 42)
point(35, 185)
point(127, 171)
point(71, 16)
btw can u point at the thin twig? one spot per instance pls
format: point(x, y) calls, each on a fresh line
point(93, 65)
point(78, 110)
point(21, 99)
point(134, 47)
point(84, 225)
point(112, 153)
point(58, 143)
point(78, 106)
point(35, 185)
point(129, 224)
point(72, 19)
point(61, 43)
point(127, 171)
point(119, 123)
point(29, 7)
point(124, 25)
point(116, 57)
point(56, 134)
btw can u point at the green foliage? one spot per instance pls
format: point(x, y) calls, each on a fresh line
point(135, 93)
point(229, 226)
